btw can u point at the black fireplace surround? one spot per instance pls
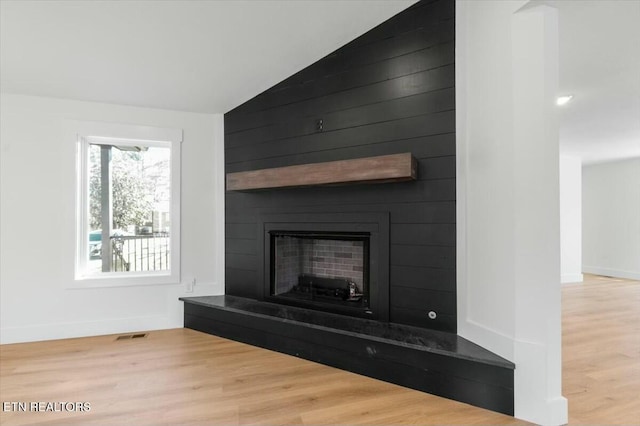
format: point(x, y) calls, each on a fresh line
point(391, 90)
point(311, 314)
point(311, 278)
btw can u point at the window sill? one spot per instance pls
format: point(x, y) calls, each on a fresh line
point(124, 280)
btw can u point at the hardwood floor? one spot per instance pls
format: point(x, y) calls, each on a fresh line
point(601, 350)
point(182, 376)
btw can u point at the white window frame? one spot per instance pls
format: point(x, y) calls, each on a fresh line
point(86, 133)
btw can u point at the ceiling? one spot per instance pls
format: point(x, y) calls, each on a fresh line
point(600, 67)
point(210, 56)
point(199, 56)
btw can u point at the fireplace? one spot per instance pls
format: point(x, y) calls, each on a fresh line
point(334, 262)
point(321, 268)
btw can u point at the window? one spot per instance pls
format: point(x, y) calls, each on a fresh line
point(128, 201)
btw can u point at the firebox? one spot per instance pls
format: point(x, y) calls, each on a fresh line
point(334, 262)
point(325, 268)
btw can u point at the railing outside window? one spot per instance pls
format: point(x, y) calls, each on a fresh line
point(140, 253)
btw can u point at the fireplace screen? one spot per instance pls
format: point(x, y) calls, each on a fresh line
point(320, 268)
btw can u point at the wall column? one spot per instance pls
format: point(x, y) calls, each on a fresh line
point(538, 327)
point(507, 195)
point(570, 219)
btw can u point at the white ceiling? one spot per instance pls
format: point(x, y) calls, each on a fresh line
point(210, 56)
point(200, 56)
point(600, 66)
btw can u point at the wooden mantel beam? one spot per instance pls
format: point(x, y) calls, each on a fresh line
point(385, 168)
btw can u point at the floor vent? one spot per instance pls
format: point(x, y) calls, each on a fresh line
point(132, 336)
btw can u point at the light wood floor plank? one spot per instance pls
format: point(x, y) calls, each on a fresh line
point(601, 350)
point(185, 377)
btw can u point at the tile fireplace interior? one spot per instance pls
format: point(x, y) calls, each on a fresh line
point(320, 268)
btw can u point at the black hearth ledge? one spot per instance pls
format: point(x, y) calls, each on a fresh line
point(431, 361)
point(433, 341)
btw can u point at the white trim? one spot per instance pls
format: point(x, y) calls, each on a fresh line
point(97, 140)
point(531, 381)
point(219, 195)
point(609, 272)
point(85, 132)
point(67, 330)
point(464, 326)
point(571, 278)
point(493, 340)
point(125, 279)
point(173, 317)
point(102, 129)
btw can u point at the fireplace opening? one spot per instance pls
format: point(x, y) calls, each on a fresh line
point(334, 262)
point(321, 268)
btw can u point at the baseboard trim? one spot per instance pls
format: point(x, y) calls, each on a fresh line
point(571, 278)
point(35, 333)
point(487, 337)
point(171, 317)
point(608, 272)
point(538, 390)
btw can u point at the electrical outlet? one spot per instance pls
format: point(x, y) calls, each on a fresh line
point(188, 287)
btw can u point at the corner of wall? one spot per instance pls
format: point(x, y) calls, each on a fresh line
point(219, 184)
point(532, 402)
point(508, 271)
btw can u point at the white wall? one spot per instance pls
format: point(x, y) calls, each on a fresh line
point(570, 219)
point(508, 214)
point(611, 219)
point(37, 223)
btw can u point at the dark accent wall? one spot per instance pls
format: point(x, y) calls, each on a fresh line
point(391, 90)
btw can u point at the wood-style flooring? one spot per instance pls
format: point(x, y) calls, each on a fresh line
point(183, 377)
point(601, 350)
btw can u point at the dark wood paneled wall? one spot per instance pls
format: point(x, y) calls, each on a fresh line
point(391, 90)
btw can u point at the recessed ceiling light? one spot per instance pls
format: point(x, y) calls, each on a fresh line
point(563, 99)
